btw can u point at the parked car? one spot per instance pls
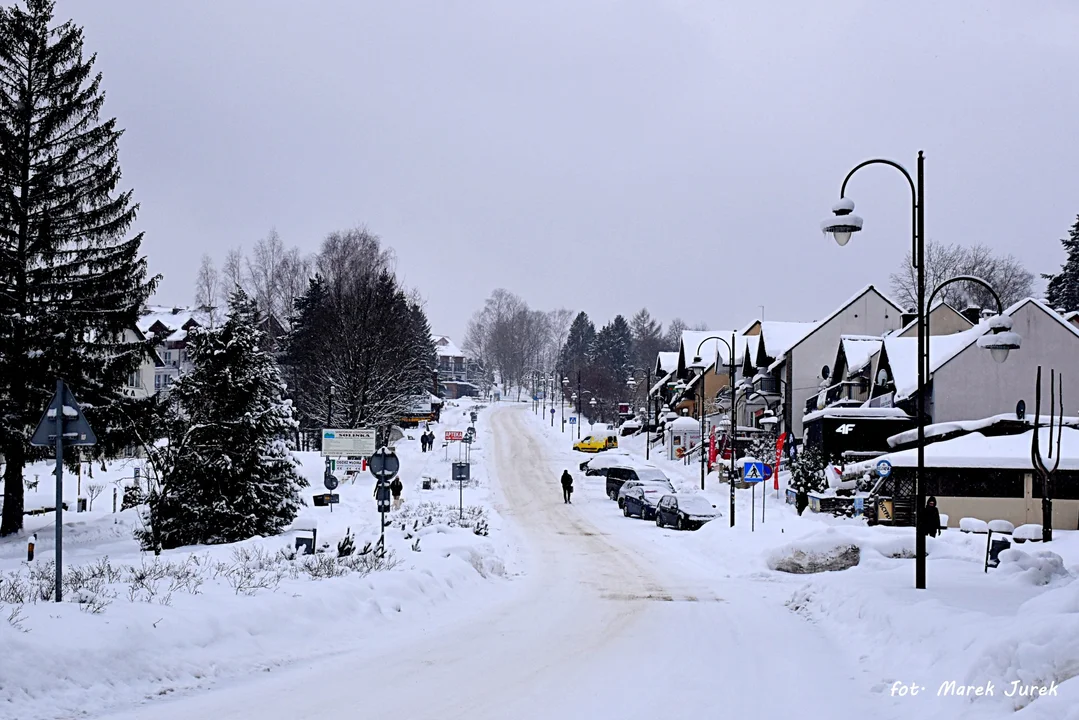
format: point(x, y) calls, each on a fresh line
point(618, 475)
point(597, 441)
point(598, 465)
point(664, 486)
point(642, 500)
point(685, 511)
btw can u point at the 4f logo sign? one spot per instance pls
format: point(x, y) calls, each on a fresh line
point(845, 429)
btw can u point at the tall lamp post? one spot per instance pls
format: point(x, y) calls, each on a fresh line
point(699, 369)
point(562, 401)
point(632, 382)
point(842, 226)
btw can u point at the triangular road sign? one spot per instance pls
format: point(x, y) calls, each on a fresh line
point(76, 430)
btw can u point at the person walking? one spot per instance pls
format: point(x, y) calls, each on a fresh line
point(929, 519)
point(423, 441)
point(395, 490)
point(567, 486)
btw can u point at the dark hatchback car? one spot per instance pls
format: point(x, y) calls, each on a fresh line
point(617, 475)
point(685, 511)
point(641, 501)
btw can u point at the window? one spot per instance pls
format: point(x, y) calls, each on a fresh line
point(1065, 485)
point(133, 380)
point(974, 482)
point(157, 382)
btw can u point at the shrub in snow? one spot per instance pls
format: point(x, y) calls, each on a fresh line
point(807, 470)
point(425, 514)
point(226, 473)
point(973, 525)
point(814, 555)
point(1038, 568)
point(1001, 526)
point(347, 544)
point(1029, 531)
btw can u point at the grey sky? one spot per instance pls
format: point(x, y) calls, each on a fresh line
point(595, 155)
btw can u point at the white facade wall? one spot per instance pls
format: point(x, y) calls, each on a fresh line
point(870, 314)
point(973, 386)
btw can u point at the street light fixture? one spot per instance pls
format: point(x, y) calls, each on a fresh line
point(632, 382)
point(698, 363)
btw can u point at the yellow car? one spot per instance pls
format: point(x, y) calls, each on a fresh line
point(596, 442)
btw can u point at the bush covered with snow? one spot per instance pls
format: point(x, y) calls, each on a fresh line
point(973, 525)
point(1001, 526)
point(1029, 531)
point(825, 553)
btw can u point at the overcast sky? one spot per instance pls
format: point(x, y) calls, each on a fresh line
point(603, 156)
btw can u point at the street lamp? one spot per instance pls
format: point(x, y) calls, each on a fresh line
point(698, 364)
point(841, 227)
point(632, 382)
point(562, 401)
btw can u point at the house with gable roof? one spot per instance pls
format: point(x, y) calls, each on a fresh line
point(791, 360)
point(964, 380)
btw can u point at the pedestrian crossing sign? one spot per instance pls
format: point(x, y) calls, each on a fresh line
point(753, 472)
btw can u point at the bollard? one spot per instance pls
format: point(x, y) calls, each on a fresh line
point(30, 548)
point(114, 499)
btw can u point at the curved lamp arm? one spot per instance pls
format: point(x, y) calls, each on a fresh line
point(913, 197)
point(963, 278)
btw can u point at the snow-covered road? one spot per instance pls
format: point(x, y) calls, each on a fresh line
point(606, 622)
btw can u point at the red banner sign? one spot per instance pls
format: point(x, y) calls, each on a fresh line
point(779, 456)
point(454, 435)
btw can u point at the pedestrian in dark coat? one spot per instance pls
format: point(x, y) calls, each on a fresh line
point(930, 518)
point(395, 490)
point(801, 499)
point(567, 486)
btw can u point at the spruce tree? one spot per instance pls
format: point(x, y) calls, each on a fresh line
point(71, 280)
point(807, 470)
point(227, 473)
point(578, 351)
point(1063, 290)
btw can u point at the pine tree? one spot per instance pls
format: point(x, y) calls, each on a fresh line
point(71, 283)
point(1063, 290)
point(647, 339)
point(227, 473)
point(578, 351)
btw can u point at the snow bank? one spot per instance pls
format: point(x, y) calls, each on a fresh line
point(828, 552)
point(1038, 568)
point(1029, 531)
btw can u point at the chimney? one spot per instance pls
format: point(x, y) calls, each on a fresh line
point(973, 313)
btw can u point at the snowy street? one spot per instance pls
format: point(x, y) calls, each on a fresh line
point(606, 622)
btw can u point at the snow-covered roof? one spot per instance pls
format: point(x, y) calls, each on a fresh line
point(903, 352)
point(859, 350)
point(173, 318)
point(786, 336)
point(445, 347)
point(857, 412)
point(668, 361)
point(692, 339)
point(968, 426)
point(1006, 452)
point(903, 355)
point(1072, 317)
point(779, 337)
point(749, 345)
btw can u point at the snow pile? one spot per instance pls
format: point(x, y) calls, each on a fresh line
point(829, 552)
point(1038, 568)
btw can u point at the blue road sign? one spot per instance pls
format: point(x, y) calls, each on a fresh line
point(884, 468)
point(767, 471)
point(572, 420)
point(753, 472)
point(552, 411)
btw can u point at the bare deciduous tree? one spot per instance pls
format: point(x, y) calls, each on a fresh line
point(92, 491)
point(1005, 273)
point(208, 289)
